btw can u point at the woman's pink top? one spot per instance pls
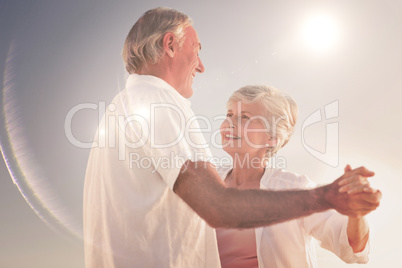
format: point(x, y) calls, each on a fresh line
point(237, 248)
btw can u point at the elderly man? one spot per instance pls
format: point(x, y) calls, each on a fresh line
point(144, 204)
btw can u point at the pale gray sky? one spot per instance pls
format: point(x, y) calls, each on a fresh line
point(57, 55)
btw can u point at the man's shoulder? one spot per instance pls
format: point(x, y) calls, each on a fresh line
point(145, 87)
point(142, 92)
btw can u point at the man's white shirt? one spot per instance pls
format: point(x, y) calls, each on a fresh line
point(132, 218)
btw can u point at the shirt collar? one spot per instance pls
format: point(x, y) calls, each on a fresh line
point(136, 78)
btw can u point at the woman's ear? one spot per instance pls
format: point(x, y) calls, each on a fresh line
point(169, 41)
point(271, 142)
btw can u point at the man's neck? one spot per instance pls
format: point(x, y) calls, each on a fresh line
point(161, 70)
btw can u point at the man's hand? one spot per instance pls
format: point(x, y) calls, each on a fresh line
point(351, 194)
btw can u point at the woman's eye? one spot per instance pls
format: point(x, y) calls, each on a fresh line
point(245, 117)
point(228, 115)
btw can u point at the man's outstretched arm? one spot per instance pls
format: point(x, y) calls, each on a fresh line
point(200, 187)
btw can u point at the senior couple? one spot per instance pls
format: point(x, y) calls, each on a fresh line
point(193, 214)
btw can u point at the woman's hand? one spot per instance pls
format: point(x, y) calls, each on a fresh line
point(356, 184)
point(358, 187)
point(351, 194)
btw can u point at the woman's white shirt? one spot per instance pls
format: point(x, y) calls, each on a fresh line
point(292, 243)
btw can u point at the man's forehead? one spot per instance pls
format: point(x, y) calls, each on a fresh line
point(194, 36)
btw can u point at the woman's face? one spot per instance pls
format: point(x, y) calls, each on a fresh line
point(245, 130)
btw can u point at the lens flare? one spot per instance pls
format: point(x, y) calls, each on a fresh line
point(22, 165)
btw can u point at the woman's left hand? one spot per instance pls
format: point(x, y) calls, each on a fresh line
point(355, 184)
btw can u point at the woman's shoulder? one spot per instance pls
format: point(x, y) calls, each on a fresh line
point(283, 179)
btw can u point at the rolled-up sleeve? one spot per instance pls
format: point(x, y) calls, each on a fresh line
point(330, 229)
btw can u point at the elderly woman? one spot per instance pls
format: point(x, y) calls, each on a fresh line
point(259, 122)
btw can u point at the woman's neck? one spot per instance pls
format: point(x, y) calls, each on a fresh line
point(246, 172)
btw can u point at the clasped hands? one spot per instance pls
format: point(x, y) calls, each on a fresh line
point(352, 195)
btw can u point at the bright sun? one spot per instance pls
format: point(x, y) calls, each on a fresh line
point(320, 32)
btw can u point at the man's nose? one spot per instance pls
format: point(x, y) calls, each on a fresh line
point(200, 67)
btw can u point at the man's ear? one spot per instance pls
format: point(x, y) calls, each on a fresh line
point(168, 44)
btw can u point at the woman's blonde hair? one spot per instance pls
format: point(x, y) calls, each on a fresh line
point(280, 111)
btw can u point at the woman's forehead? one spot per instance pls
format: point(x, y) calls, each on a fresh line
point(250, 107)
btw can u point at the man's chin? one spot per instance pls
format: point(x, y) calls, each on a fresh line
point(188, 93)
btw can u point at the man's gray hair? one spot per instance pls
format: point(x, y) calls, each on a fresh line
point(144, 42)
point(279, 110)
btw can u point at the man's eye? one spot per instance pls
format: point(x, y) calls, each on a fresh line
point(245, 117)
point(229, 115)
